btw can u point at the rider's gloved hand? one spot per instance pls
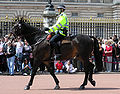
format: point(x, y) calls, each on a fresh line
point(46, 29)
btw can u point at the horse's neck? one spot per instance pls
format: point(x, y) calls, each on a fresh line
point(33, 34)
point(34, 38)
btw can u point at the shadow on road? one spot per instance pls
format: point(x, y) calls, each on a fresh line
point(83, 89)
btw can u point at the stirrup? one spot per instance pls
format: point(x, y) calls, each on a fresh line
point(52, 58)
point(57, 56)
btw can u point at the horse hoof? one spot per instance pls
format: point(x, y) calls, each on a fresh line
point(57, 87)
point(82, 87)
point(93, 83)
point(27, 88)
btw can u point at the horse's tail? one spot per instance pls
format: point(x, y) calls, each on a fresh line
point(98, 59)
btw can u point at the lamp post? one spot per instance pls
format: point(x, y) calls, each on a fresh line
point(49, 15)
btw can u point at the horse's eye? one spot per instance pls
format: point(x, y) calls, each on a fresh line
point(19, 25)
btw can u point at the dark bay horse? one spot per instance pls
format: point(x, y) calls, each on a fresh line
point(80, 47)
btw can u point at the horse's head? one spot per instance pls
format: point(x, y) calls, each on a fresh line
point(17, 29)
point(30, 33)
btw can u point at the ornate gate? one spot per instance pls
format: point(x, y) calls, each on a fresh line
point(100, 27)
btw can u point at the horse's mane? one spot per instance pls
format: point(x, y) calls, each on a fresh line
point(31, 34)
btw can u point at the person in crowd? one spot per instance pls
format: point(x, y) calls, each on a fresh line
point(19, 53)
point(78, 64)
point(116, 58)
point(115, 39)
point(31, 59)
point(10, 54)
point(59, 67)
point(104, 43)
point(69, 67)
point(26, 50)
point(26, 67)
point(108, 52)
point(101, 50)
point(5, 40)
point(1, 56)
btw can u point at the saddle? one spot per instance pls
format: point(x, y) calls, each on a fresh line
point(56, 53)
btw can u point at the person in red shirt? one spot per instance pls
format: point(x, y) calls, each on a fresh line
point(108, 52)
point(59, 67)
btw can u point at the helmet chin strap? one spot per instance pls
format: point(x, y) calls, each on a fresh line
point(61, 11)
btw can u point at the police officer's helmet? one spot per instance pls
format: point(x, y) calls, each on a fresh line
point(61, 6)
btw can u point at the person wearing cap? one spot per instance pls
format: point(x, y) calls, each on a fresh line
point(60, 29)
point(10, 54)
point(108, 52)
point(1, 56)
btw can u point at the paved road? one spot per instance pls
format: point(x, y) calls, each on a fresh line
point(69, 83)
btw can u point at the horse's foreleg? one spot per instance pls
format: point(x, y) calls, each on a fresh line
point(91, 74)
point(55, 79)
point(31, 79)
point(85, 81)
point(51, 69)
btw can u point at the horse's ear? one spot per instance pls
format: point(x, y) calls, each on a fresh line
point(21, 20)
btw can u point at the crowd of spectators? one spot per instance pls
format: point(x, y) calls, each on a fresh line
point(16, 57)
point(110, 52)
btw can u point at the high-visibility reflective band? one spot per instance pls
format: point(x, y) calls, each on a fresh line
point(53, 29)
point(60, 24)
point(56, 31)
point(57, 26)
point(66, 25)
point(66, 19)
point(61, 32)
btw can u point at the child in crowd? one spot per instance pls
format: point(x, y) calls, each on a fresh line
point(59, 67)
point(26, 67)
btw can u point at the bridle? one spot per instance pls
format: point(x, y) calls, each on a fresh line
point(18, 28)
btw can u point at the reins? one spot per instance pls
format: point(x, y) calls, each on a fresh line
point(40, 40)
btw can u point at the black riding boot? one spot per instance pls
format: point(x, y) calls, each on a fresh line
point(51, 53)
point(57, 53)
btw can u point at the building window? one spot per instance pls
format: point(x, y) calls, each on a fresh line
point(82, 1)
point(95, 1)
point(42, 0)
point(100, 15)
point(15, 0)
point(101, 1)
point(74, 14)
point(69, 0)
point(56, 0)
point(108, 1)
point(28, 0)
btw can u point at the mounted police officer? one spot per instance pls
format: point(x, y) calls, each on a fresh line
point(60, 29)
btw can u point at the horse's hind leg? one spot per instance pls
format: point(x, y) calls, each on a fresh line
point(86, 74)
point(91, 66)
point(85, 81)
point(31, 79)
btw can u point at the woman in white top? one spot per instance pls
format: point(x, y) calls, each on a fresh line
point(70, 68)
